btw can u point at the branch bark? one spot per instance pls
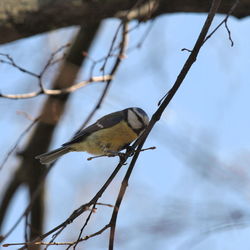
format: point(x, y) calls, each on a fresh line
point(19, 19)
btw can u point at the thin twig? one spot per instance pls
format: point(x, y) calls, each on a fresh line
point(224, 21)
point(85, 224)
point(143, 37)
point(11, 62)
point(111, 47)
point(229, 34)
point(26, 115)
point(52, 59)
point(104, 204)
point(123, 45)
point(98, 156)
point(18, 141)
point(70, 243)
point(51, 62)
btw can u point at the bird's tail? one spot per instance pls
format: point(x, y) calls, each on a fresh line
point(52, 155)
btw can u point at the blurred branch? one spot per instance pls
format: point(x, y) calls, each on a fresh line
point(191, 243)
point(15, 183)
point(16, 16)
point(140, 12)
point(30, 172)
point(18, 141)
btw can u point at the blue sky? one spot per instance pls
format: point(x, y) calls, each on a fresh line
point(196, 178)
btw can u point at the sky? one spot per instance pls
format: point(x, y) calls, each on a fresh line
point(187, 192)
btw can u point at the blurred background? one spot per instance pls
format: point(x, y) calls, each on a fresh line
point(192, 191)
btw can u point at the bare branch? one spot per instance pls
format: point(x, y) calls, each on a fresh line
point(52, 59)
point(26, 115)
point(229, 34)
point(49, 63)
point(85, 224)
point(53, 92)
point(58, 243)
point(224, 21)
point(143, 37)
point(11, 62)
point(15, 23)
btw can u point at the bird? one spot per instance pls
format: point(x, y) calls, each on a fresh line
point(108, 135)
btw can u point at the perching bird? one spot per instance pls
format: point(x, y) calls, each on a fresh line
point(109, 135)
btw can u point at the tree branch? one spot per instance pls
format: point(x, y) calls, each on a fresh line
point(16, 16)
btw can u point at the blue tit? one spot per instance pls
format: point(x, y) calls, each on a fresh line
point(108, 135)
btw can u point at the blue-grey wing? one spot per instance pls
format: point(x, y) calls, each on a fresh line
point(106, 121)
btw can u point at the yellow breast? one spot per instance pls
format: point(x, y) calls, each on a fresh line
point(112, 139)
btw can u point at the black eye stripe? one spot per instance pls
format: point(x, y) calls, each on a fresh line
point(139, 130)
point(139, 118)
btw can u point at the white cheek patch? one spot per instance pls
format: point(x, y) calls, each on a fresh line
point(133, 120)
point(144, 118)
